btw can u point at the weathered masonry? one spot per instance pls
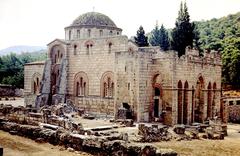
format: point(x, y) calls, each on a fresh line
point(98, 69)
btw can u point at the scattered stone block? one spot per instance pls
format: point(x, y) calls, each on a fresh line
point(179, 129)
point(166, 152)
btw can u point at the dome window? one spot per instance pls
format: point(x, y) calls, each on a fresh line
point(78, 33)
point(101, 32)
point(110, 33)
point(69, 34)
point(89, 32)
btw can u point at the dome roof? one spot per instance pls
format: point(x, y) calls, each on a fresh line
point(93, 19)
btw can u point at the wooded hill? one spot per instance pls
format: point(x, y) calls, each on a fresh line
point(223, 35)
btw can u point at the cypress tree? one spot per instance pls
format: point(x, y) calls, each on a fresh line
point(155, 37)
point(164, 39)
point(141, 40)
point(182, 34)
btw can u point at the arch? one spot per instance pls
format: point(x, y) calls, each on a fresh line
point(214, 113)
point(180, 104)
point(110, 47)
point(185, 103)
point(56, 53)
point(156, 107)
point(107, 85)
point(36, 83)
point(81, 84)
point(209, 101)
point(89, 45)
point(199, 100)
point(193, 105)
point(74, 49)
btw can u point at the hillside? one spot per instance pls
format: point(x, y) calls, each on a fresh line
point(12, 66)
point(214, 33)
point(223, 35)
point(20, 49)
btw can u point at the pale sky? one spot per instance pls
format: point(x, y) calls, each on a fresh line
point(38, 22)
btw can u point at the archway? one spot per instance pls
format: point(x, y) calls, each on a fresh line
point(185, 104)
point(209, 101)
point(156, 108)
point(199, 101)
point(180, 104)
point(156, 102)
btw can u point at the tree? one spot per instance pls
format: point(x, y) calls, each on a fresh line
point(182, 34)
point(164, 39)
point(141, 40)
point(155, 37)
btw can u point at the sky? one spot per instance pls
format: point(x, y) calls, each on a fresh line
point(38, 22)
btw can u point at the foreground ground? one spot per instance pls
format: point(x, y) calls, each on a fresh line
point(15, 145)
point(19, 146)
point(230, 146)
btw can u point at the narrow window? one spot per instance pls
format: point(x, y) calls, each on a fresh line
point(88, 49)
point(89, 32)
point(117, 33)
point(110, 33)
point(70, 33)
point(78, 33)
point(75, 50)
point(128, 86)
point(109, 47)
point(101, 32)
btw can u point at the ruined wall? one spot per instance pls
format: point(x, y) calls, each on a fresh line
point(187, 70)
point(127, 81)
point(233, 108)
point(96, 105)
point(31, 70)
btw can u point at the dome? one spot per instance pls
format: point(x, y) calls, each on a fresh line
point(93, 19)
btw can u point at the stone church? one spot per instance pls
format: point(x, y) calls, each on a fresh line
point(101, 71)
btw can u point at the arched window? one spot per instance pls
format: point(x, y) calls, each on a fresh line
point(88, 49)
point(36, 83)
point(81, 84)
point(109, 47)
point(75, 50)
point(107, 85)
point(69, 34)
point(78, 33)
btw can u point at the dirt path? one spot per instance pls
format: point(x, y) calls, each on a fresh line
point(19, 146)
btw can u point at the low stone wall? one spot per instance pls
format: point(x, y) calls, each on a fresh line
point(234, 113)
point(8, 90)
point(95, 105)
point(95, 145)
point(29, 99)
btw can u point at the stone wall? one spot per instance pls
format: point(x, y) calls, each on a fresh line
point(95, 105)
point(233, 108)
point(8, 90)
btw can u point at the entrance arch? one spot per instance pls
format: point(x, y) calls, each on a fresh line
point(209, 101)
point(185, 103)
point(156, 108)
point(199, 101)
point(180, 104)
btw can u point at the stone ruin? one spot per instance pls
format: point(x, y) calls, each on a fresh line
point(52, 124)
